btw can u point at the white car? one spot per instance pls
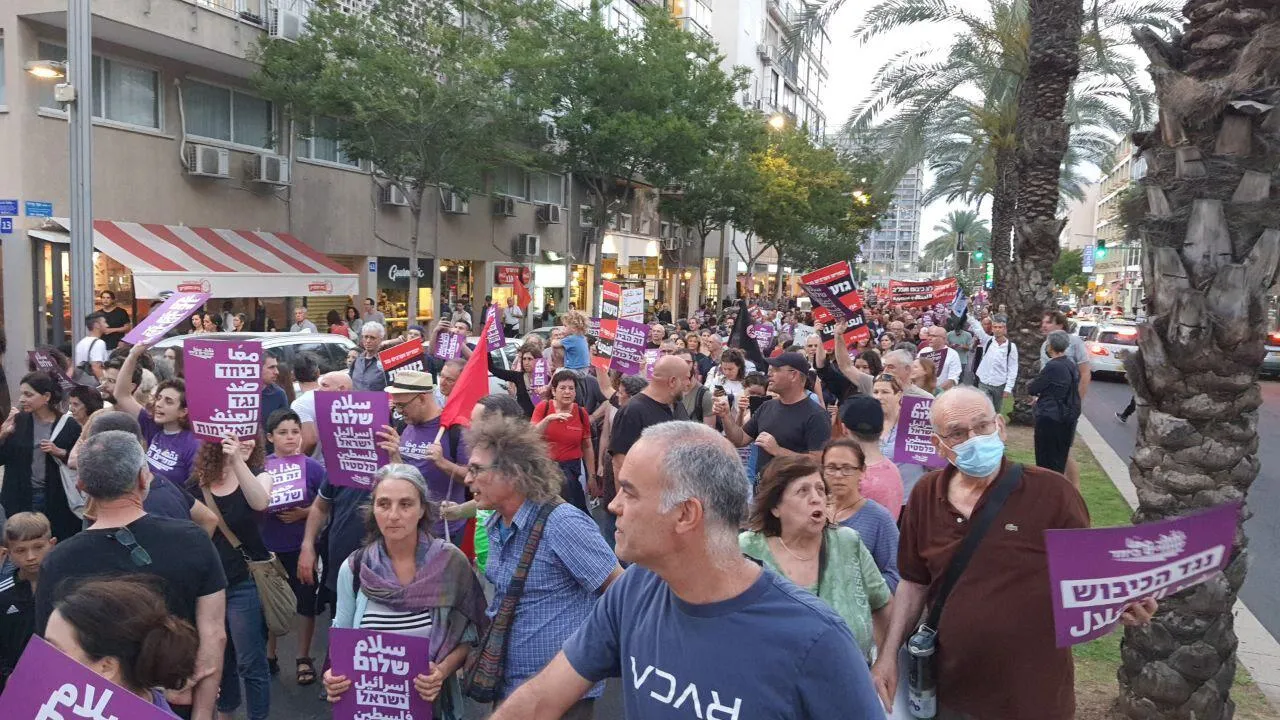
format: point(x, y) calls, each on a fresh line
point(1109, 344)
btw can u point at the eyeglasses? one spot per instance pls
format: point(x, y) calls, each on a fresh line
point(841, 470)
point(474, 469)
point(957, 436)
point(137, 553)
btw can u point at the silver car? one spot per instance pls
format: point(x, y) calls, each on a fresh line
point(1109, 344)
point(1271, 361)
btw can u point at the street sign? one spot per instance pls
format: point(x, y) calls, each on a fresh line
point(8, 207)
point(1087, 258)
point(6, 226)
point(37, 208)
point(373, 266)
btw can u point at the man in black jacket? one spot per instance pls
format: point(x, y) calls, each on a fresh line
point(1057, 405)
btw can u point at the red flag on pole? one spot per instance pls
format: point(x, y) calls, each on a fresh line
point(473, 383)
point(523, 298)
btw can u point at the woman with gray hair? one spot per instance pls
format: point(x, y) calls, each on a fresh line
point(1057, 405)
point(405, 581)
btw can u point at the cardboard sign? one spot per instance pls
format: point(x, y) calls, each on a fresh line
point(763, 334)
point(224, 387)
point(651, 356)
point(631, 305)
point(349, 422)
point(856, 332)
point(47, 685)
point(610, 302)
point(541, 378)
point(833, 291)
point(1095, 573)
point(914, 443)
point(494, 329)
point(628, 347)
point(44, 362)
point(405, 356)
point(923, 294)
point(288, 482)
point(166, 317)
point(381, 667)
point(448, 346)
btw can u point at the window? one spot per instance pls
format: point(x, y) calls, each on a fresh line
point(2, 101)
point(546, 188)
point(773, 88)
point(220, 113)
point(509, 180)
point(624, 222)
point(122, 92)
point(321, 145)
point(585, 218)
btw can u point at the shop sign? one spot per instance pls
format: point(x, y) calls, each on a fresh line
point(635, 266)
point(508, 274)
point(194, 286)
point(393, 273)
point(651, 266)
point(320, 287)
point(609, 265)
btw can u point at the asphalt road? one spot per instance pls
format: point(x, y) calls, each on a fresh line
point(1261, 593)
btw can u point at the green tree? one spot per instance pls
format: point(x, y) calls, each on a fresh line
point(1210, 223)
point(640, 106)
point(1068, 272)
point(418, 91)
point(977, 239)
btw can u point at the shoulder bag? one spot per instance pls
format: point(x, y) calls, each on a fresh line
point(278, 602)
point(486, 662)
point(76, 500)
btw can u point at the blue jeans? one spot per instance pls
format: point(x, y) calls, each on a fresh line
point(246, 654)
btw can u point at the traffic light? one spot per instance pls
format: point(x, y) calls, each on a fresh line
point(977, 256)
point(1101, 252)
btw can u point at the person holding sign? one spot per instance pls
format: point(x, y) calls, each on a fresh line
point(121, 630)
point(790, 424)
point(1009, 507)
point(407, 582)
point(171, 446)
point(525, 379)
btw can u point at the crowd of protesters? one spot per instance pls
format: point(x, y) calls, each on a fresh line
point(750, 489)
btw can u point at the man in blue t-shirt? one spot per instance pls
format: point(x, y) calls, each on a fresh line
point(694, 628)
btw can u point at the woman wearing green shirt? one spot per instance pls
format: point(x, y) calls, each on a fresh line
point(790, 534)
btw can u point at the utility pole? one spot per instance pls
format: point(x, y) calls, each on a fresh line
point(80, 120)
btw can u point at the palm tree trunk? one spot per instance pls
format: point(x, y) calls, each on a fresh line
point(1211, 229)
point(1004, 200)
point(1053, 61)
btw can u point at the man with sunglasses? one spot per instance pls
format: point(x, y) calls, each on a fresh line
point(125, 540)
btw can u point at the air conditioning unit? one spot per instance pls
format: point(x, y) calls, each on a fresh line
point(550, 132)
point(549, 214)
point(269, 169)
point(766, 53)
point(758, 104)
point(208, 161)
point(504, 205)
point(454, 203)
point(391, 194)
point(664, 230)
point(285, 24)
point(525, 245)
point(672, 243)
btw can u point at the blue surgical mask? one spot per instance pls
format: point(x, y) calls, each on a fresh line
point(979, 456)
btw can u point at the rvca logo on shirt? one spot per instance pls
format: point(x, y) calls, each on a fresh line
point(665, 688)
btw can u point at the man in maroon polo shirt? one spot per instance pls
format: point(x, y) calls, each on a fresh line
point(997, 658)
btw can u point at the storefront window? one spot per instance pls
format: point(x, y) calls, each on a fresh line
point(710, 281)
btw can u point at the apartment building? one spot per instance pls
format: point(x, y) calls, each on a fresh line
point(892, 251)
point(1118, 260)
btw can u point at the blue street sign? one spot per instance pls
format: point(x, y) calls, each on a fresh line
point(6, 226)
point(37, 208)
point(1087, 258)
point(373, 266)
point(8, 207)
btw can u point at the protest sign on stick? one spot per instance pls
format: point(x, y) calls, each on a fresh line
point(349, 422)
point(381, 667)
point(47, 685)
point(165, 317)
point(628, 348)
point(407, 355)
point(224, 387)
point(914, 441)
point(924, 294)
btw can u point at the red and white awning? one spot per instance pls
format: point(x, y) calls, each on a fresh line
point(224, 263)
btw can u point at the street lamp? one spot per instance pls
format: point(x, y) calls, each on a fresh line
point(78, 71)
point(778, 121)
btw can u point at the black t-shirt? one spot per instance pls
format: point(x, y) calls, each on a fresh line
point(182, 556)
point(116, 317)
point(243, 521)
point(17, 622)
point(642, 412)
point(168, 500)
point(346, 526)
point(587, 393)
point(799, 427)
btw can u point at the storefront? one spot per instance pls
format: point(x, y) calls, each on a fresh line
point(255, 272)
point(545, 282)
point(393, 291)
point(457, 279)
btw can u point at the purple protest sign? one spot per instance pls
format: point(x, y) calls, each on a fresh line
point(381, 667)
point(496, 337)
point(650, 358)
point(628, 347)
point(763, 334)
point(288, 482)
point(224, 387)
point(166, 317)
point(352, 420)
point(914, 443)
point(448, 345)
point(1095, 573)
point(540, 378)
point(44, 362)
point(49, 685)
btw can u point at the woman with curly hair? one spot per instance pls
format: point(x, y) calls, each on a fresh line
point(223, 481)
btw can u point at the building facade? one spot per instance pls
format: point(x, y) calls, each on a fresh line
point(893, 250)
point(1117, 273)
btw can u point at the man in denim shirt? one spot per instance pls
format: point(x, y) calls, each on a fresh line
point(510, 473)
point(367, 373)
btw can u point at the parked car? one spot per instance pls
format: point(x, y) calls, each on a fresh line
point(506, 356)
point(1109, 344)
point(1271, 362)
point(330, 349)
point(1084, 328)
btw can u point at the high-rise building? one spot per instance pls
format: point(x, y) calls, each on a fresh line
point(1118, 262)
point(892, 251)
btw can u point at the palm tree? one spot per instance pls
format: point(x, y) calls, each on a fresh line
point(977, 238)
point(1208, 215)
point(957, 111)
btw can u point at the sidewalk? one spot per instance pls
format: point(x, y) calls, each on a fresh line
point(1258, 651)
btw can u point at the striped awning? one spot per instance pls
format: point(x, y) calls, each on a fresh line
point(224, 263)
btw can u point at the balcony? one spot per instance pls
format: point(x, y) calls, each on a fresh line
point(782, 12)
point(690, 25)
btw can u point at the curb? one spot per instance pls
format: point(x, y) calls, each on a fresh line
point(1258, 650)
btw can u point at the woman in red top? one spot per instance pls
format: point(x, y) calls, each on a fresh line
point(567, 428)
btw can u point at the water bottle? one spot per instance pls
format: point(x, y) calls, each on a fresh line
point(922, 694)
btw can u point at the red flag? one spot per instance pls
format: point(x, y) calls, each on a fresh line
point(523, 298)
point(472, 384)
